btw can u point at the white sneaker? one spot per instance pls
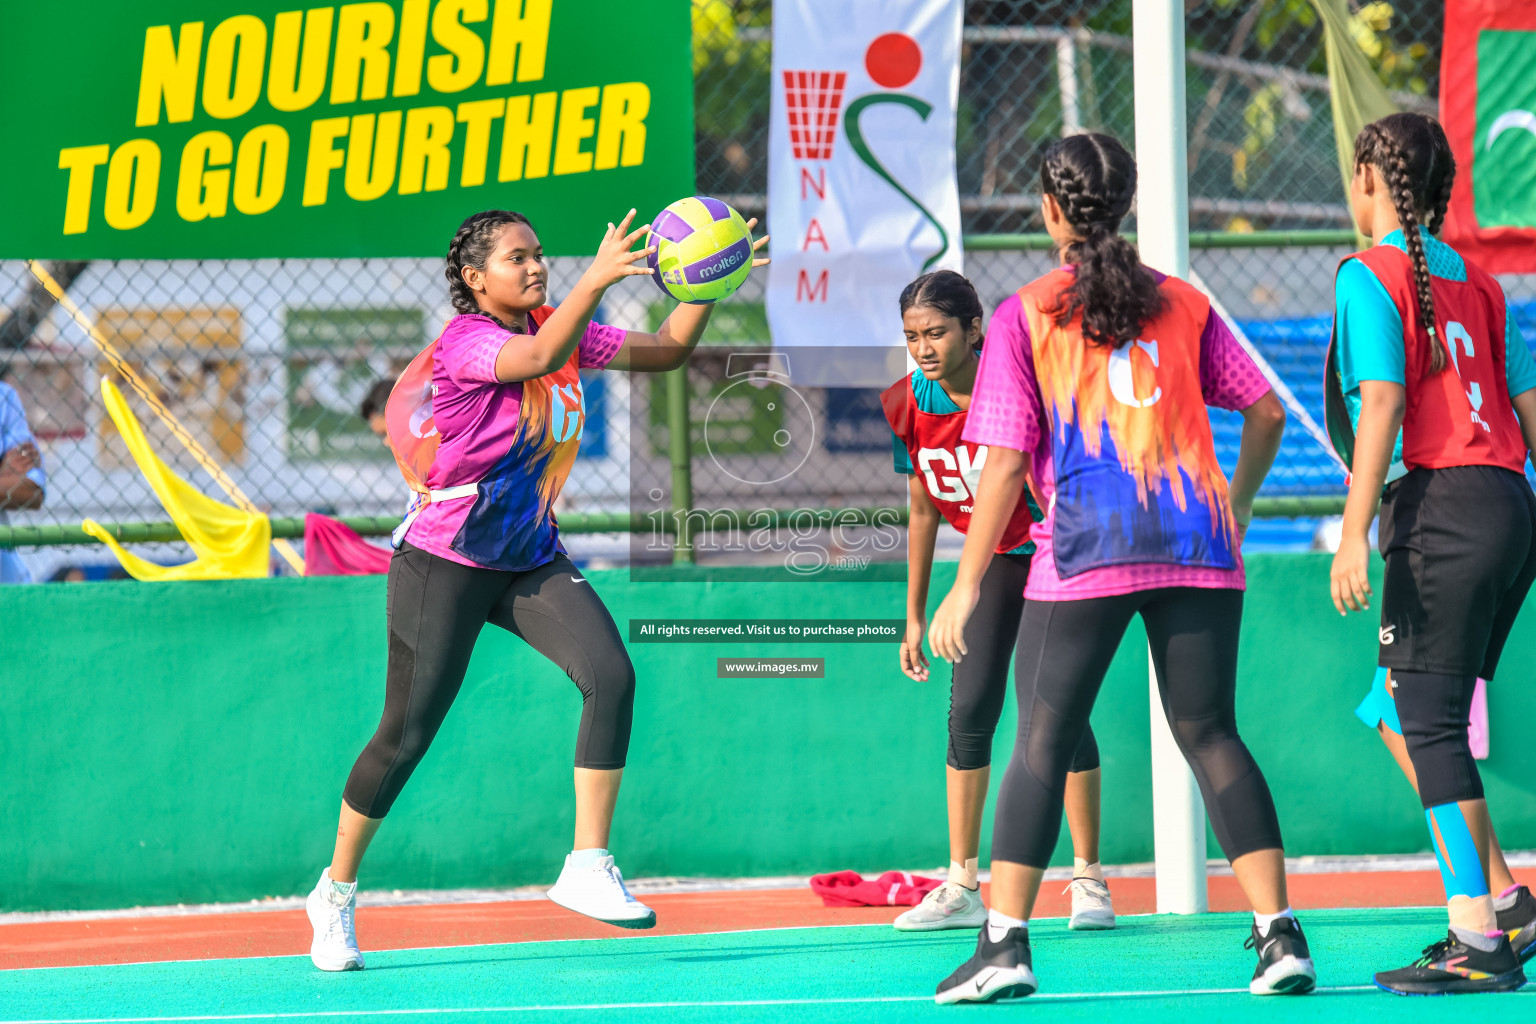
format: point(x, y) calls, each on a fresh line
point(1092, 908)
point(598, 892)
point(951, 905)
point(335, 945)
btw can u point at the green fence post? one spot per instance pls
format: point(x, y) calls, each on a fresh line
point(680, 448)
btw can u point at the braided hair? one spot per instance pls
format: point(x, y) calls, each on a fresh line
point(1093, 179)
point(1413, 157)
point(946, 293)
point(472, 246)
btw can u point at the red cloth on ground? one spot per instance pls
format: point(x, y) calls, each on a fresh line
point(892, 889)
point(334, 549)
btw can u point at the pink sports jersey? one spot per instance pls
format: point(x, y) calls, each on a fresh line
point(1007, 410)
point(480, 421)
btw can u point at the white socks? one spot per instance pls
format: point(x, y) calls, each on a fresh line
point(998, 925)
point(1263, 921)
point(1507, 898)
point(586, 859)
point(964, 874)
point(1082, 869)
point(339, 893)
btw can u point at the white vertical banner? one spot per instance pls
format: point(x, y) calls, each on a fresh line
point(861, 177)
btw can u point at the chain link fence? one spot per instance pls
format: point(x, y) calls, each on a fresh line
point(267, 362)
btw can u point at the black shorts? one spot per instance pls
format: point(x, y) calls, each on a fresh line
point(1460, 547)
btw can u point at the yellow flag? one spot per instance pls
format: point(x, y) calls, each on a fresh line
point(1356, 94)
point(228, 542)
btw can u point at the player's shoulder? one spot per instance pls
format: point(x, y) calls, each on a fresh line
point(468, 327)
point(903, 386)
point(1179, 288)
point(1046, 286)
point(1482, 280)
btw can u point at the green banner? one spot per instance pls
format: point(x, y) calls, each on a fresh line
point(219, 128)
point(1504, 147)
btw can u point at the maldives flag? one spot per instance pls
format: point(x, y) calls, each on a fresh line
point(1488, 107)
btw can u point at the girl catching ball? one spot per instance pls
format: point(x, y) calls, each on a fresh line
point(485, 548)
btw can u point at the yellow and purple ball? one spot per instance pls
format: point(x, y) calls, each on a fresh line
point(703, 250)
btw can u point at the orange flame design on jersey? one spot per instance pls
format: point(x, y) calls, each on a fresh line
point(557, 456)
point(1154, 437)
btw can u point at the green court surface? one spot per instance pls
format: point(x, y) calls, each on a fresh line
point(1152, 968)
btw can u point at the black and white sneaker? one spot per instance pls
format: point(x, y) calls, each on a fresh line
point(1285, 963)
point(1519, 923)
point(1450, 967)
point(997, 970)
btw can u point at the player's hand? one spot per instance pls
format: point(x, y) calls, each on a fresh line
point(21, 458)
point(913, 661)
point(616, 257)
point(1349, 579)
point(752, 223)
point(1243, 515)
point(947, 634)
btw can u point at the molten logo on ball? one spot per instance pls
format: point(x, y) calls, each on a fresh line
point(703, 250)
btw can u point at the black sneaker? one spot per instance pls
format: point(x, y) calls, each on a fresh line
point(1451, 966)
point(1285, 963)
point(997, 970)
point(1519, 923)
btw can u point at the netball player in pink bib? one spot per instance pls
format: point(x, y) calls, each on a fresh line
point(1093, 383)
point(483, 546)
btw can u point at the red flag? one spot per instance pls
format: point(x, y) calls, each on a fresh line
point(333, 548)
point(1488, 107)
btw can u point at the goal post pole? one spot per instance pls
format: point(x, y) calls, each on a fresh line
point(1162, 215)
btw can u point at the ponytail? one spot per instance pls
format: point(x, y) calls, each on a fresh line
point(1413, 157)
point(1092, 177)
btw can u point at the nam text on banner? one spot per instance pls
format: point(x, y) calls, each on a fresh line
point(861, 179)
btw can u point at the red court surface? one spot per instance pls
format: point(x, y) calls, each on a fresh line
point(208, 936)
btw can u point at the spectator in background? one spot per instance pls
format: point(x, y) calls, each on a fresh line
point(372, 409)
point(21, 476)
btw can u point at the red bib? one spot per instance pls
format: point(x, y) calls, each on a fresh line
point(1461, 416)
point(949, 467)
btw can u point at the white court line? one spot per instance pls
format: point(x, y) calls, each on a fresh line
point(669, 1005)
point(670, 886)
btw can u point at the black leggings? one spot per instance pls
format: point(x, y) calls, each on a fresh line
point(1434, 711)
point(1065, 648)
point(980, 681)
point(436, 609)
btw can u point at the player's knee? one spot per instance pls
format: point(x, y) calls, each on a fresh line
point(410, 748)
point(1197, 737)
point(969, 751)
point(971, 716)
point(611, 683)
point(1087, 757)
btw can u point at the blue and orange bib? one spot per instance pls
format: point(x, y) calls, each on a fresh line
point(1137, 479)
